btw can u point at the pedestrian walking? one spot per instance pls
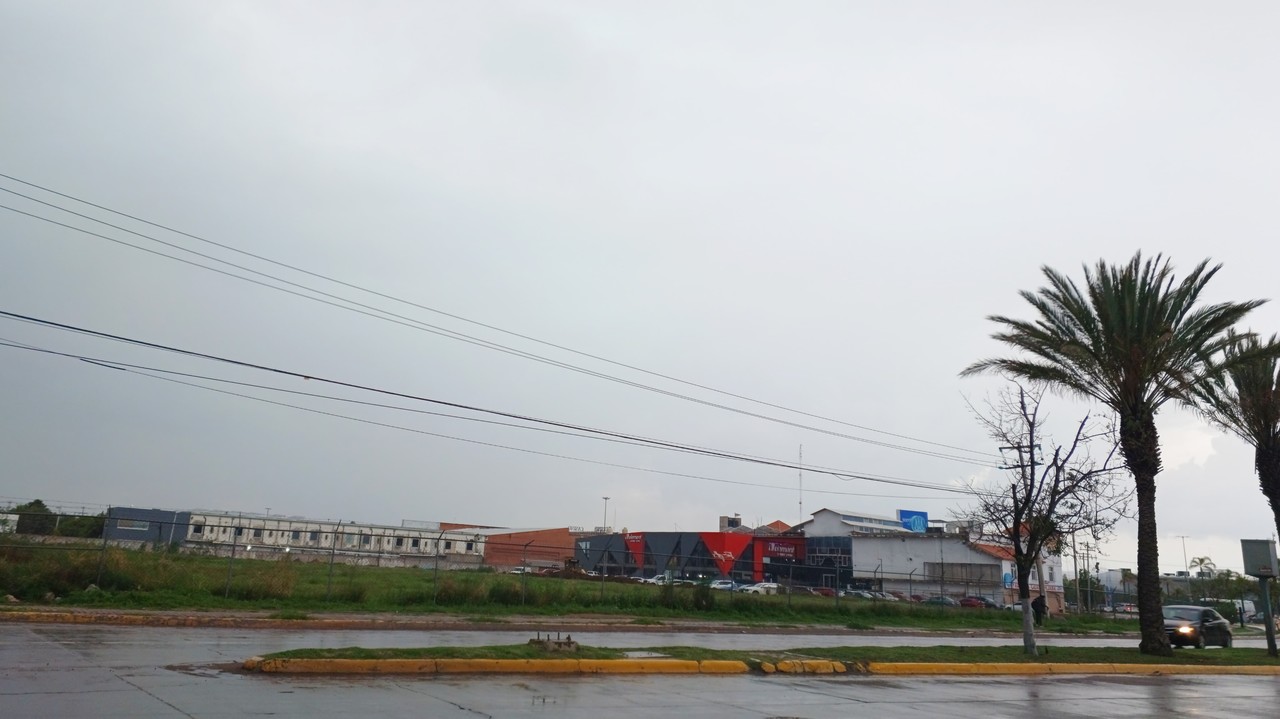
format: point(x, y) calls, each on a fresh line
point(1040, 607)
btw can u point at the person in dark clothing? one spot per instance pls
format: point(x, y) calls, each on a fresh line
point(1040, 608)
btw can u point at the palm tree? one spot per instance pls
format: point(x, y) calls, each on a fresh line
point(1245, 401)
point(1203, 565)
point(1133, 340)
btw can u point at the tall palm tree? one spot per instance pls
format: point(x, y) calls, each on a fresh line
point(1245, 400)
point(1133, 339)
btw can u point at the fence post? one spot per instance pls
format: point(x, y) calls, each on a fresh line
point(102, 552)
point(230, 560)
point(333, 551)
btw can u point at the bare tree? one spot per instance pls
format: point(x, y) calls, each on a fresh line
point(1041, 501)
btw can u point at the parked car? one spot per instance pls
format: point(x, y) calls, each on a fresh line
point(886, 596)
point(822, 591)
point(1196, 626)
point(1015, 607)
point(941, 601)
point(727, 585)
point(762, 588)
point(522, 570)
point(978, 603)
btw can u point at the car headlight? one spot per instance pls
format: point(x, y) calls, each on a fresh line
point(1185, 630)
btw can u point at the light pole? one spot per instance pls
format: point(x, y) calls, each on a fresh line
point(524, 565)
point(1186, 567)
point(604, 525)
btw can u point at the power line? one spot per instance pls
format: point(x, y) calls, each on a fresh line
point(115, 364)
point(432, 329)
point(455, 405)
point(455, 335)
point(132, 369)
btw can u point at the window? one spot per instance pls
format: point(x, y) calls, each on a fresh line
point(471, 546)
point(315, 536)
point(399, 541)
point(257, 534)
point(364, 539)
point(1050, 574)
point(296, 535)
point(132, 524)
point(239, 531)
point(448, 546)
point(197, 529)
point(415, 544)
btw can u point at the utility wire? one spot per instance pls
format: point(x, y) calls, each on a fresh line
point(455, 316)
point(116, 364)
point(433, 329)
point(456, 405)
point(133, 369)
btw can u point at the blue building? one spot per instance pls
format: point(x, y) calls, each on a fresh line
point(155, 526)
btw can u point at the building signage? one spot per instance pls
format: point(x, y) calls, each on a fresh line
point(913, 521)
point(725, 548)
point(782, 549)
point(635, 546)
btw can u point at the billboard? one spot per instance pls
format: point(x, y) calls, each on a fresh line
point(913, 521)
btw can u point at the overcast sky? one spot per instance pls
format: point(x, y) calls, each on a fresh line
point(810, 204)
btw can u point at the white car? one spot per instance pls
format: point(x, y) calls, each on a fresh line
point(727, 585)
point(762, 588)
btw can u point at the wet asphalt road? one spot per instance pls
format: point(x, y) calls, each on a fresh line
point(101, 671)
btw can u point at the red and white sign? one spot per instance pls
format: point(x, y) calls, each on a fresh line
point(635, 545)
point(725, 548)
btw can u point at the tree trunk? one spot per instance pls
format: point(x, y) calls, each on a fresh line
point(1028, 620)
point(1266, 460)
point(1140, 445)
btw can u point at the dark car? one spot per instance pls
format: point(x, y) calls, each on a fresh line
point(1196, 626)
point(979, 603)
point(942, 601)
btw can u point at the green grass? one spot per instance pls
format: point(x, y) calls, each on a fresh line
point(169, 580)
point(849, 655)
point(508, 651)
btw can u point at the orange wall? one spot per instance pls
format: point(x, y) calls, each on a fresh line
point(548, 546)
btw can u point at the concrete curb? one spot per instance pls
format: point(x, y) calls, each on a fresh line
point(493, 666)
point(988, 669)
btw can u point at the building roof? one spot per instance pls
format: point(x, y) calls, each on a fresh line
point(995, 550)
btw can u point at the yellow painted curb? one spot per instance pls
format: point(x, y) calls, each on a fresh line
point(638, 666)
point(722, 666)
point(768, 667)
point(983, 669)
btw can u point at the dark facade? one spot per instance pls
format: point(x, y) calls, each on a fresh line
point(691, 555)
point(157, 526)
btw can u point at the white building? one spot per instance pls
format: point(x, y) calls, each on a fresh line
point(270, 535)
point(842, 522)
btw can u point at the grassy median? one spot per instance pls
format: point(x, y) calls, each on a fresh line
point(848, 655)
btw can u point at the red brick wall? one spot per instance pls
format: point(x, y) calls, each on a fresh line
point(548, 547)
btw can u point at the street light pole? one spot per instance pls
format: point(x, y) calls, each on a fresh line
point(1186, 567)
point(604, 525)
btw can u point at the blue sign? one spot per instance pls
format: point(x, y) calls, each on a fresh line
point(913, 521)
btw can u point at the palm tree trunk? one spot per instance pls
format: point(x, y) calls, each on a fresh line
point(1267, 462)
point(1140, 444)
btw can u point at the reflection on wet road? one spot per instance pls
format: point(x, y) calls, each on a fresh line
point(72, 671)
